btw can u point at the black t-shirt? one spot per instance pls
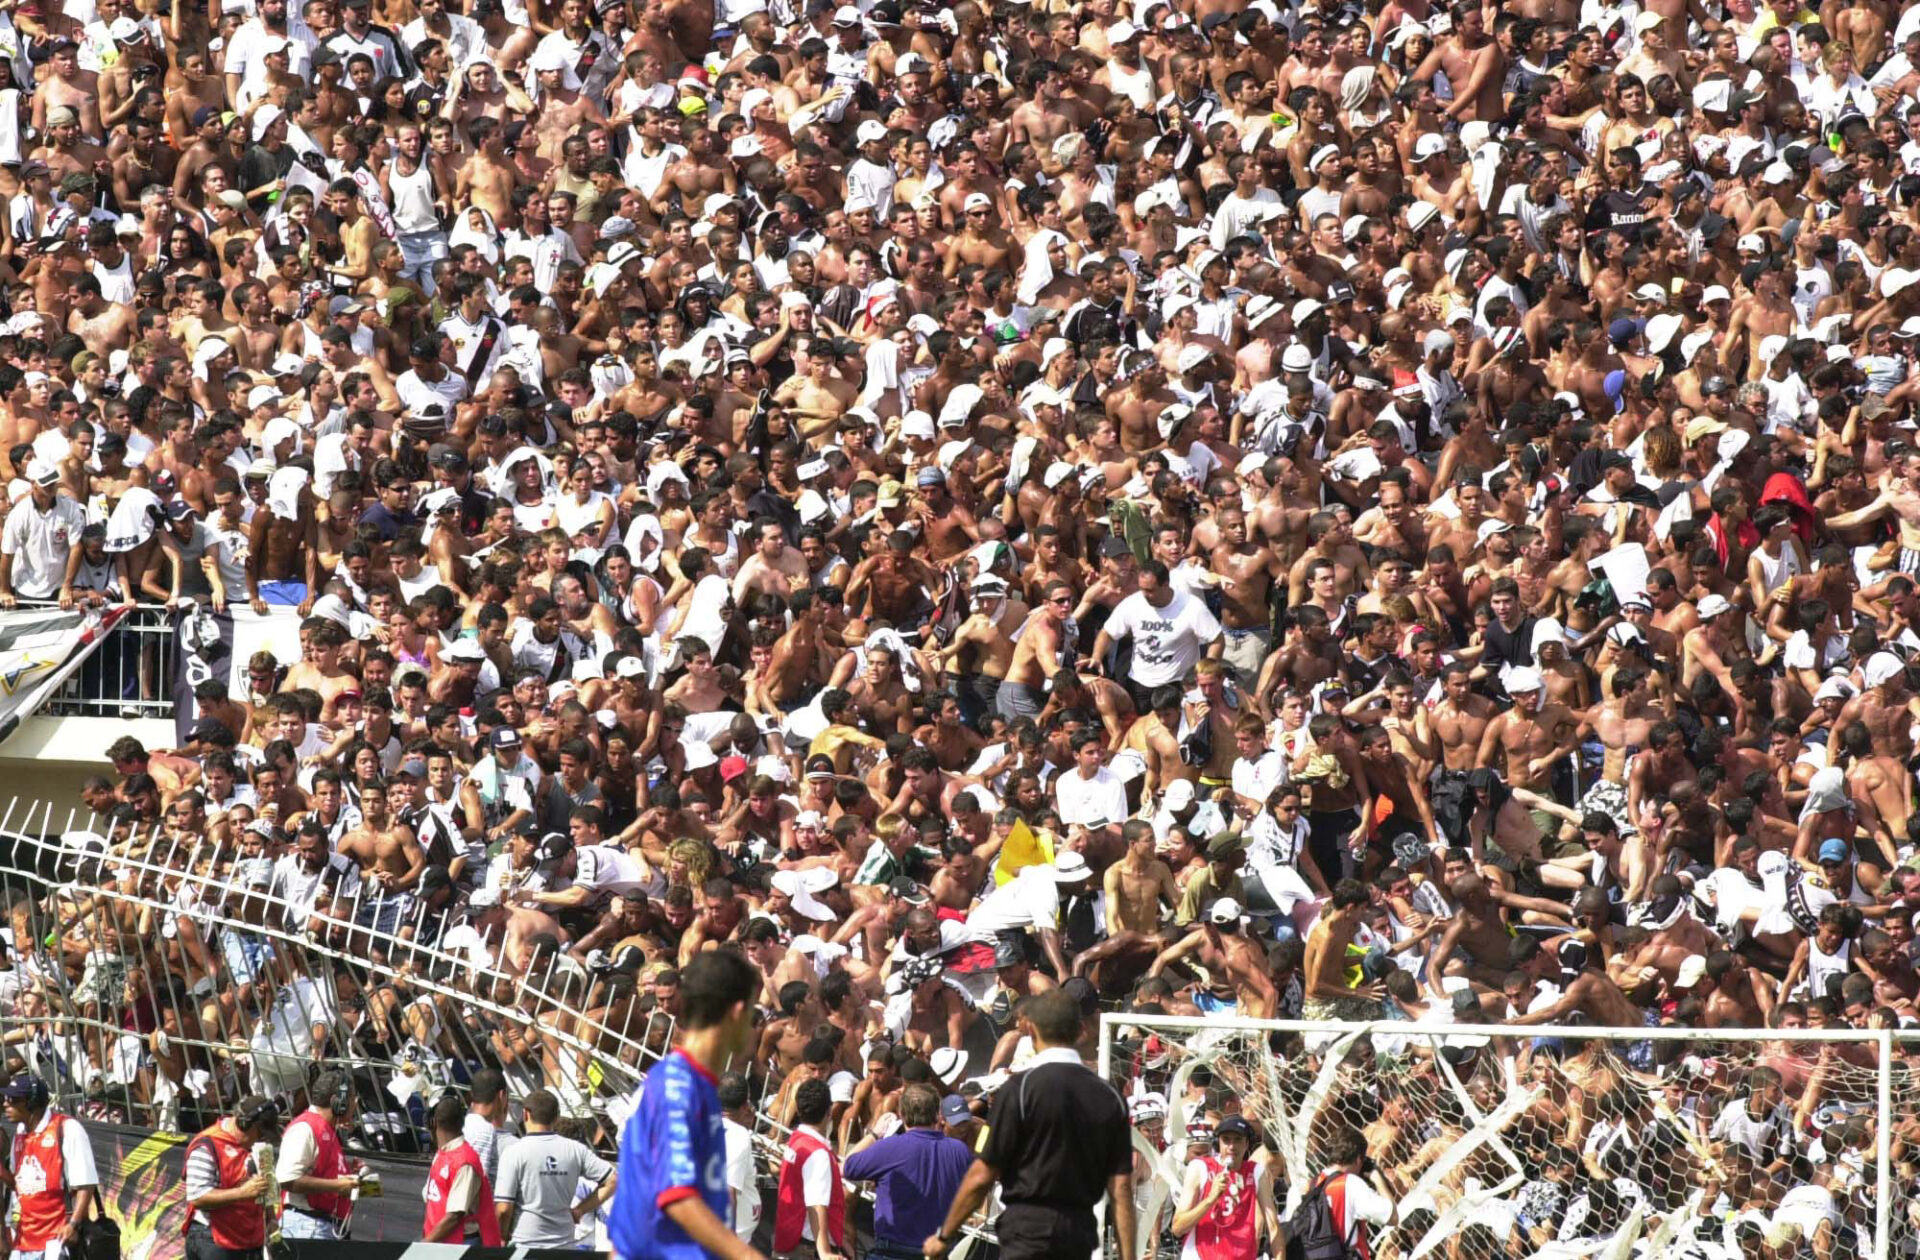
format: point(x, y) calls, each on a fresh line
point(1056, 1134)
point(1508, 647)
point(1620, 208)
point(259, 168)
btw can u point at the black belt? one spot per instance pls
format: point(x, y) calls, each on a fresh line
point(318, 1216)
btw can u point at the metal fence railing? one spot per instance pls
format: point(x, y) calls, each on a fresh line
point(1497, 1141)
point(162, 976)
point(131, 673)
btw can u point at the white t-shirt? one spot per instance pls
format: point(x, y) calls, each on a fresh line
point(76, 1157)
point(1030, 899)
point(1167, 642)
point(1363, 1204)
point(1090, 802)
point(816, 1177)
point(742, 1179)
point(608, 869)
point(1255, 780)
point(39, 543)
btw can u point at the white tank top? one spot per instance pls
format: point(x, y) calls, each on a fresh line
point(413, 209)
point(574, 516)
point(116, 283)
point(1136, 84)
point(1821, 966)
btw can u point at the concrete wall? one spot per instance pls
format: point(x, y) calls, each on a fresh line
point(48, 758)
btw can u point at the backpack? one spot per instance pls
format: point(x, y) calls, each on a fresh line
point(1310, 1231)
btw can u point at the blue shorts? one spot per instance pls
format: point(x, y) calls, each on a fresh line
point(246, 954)
point(1212, 1004)
point(291, 594)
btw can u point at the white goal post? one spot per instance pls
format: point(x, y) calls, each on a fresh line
point(1501, 1142)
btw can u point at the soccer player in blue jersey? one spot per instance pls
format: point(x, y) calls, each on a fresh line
point(671, 1200)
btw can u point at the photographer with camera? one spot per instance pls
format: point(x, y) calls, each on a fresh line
point(54, 1180)
point(1345, 1200)
point(227, 1192)
point(317, 1179)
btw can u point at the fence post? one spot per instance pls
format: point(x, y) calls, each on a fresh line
point(1883, 1151)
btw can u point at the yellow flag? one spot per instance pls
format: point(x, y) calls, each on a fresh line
point(1022, 849)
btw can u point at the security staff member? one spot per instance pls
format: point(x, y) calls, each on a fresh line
point(316, 1177)
point(54, 1178)
point(226, 1208)
point(1057, 1142)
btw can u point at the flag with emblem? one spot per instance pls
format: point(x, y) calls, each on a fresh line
point(40, 648)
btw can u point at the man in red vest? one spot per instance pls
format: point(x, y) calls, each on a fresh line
point(459, 1197)
point(315, 1175)
point(226, 1191)
point(810, 1211)
point(54, 1179)
point(1224, 1204)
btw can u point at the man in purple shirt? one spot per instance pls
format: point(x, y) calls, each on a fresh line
point(917, 1172)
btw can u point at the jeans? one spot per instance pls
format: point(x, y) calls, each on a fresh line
point(295, 1223)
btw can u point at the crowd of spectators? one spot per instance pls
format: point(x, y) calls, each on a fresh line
point(1333, 510)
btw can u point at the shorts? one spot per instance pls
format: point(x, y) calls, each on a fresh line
point(383, 915)
point(1016, 700)
point(290, 594)
point(976, 693)
point(1246, 651)
point(297, 1223)
point(418, 252)
point(246, 954)
point(105, 978)
point(276, 1072)
point(1214, 1004)
point(1353, 1009)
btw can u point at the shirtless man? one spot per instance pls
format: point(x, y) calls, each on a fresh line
point(981, 649)
point(1329, 995)
point(67, 87)
point(1898, 499)
point(1881, 788)
point(1477, 939)
point(1885, 706)
point(389, 857)
point(1532, 737)
point(1461, 718)
point(774, 568)
point(1039, 653)
point(1250, 570)
point(487, 178)
point(880, 696)
point(1474, 63)
point(1591, 994)
point(1622, 723)
point(1135, 887)
point(1153, 740)
point(1236, 967)
point(283, 553)
point(1330, 539)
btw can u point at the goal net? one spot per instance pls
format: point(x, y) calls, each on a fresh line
point(1560, 1143)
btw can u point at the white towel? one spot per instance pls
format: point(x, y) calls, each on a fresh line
point(283, 492)
point(133, 519)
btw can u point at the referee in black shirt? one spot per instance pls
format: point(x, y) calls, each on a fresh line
point(1057, 1142)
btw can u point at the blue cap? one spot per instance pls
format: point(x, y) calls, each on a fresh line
point(954, 1109)
point(1616, 386)
point(1623, 330)
point(1835, 850)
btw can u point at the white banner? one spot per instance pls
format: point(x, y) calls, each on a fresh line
point(39, 650)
